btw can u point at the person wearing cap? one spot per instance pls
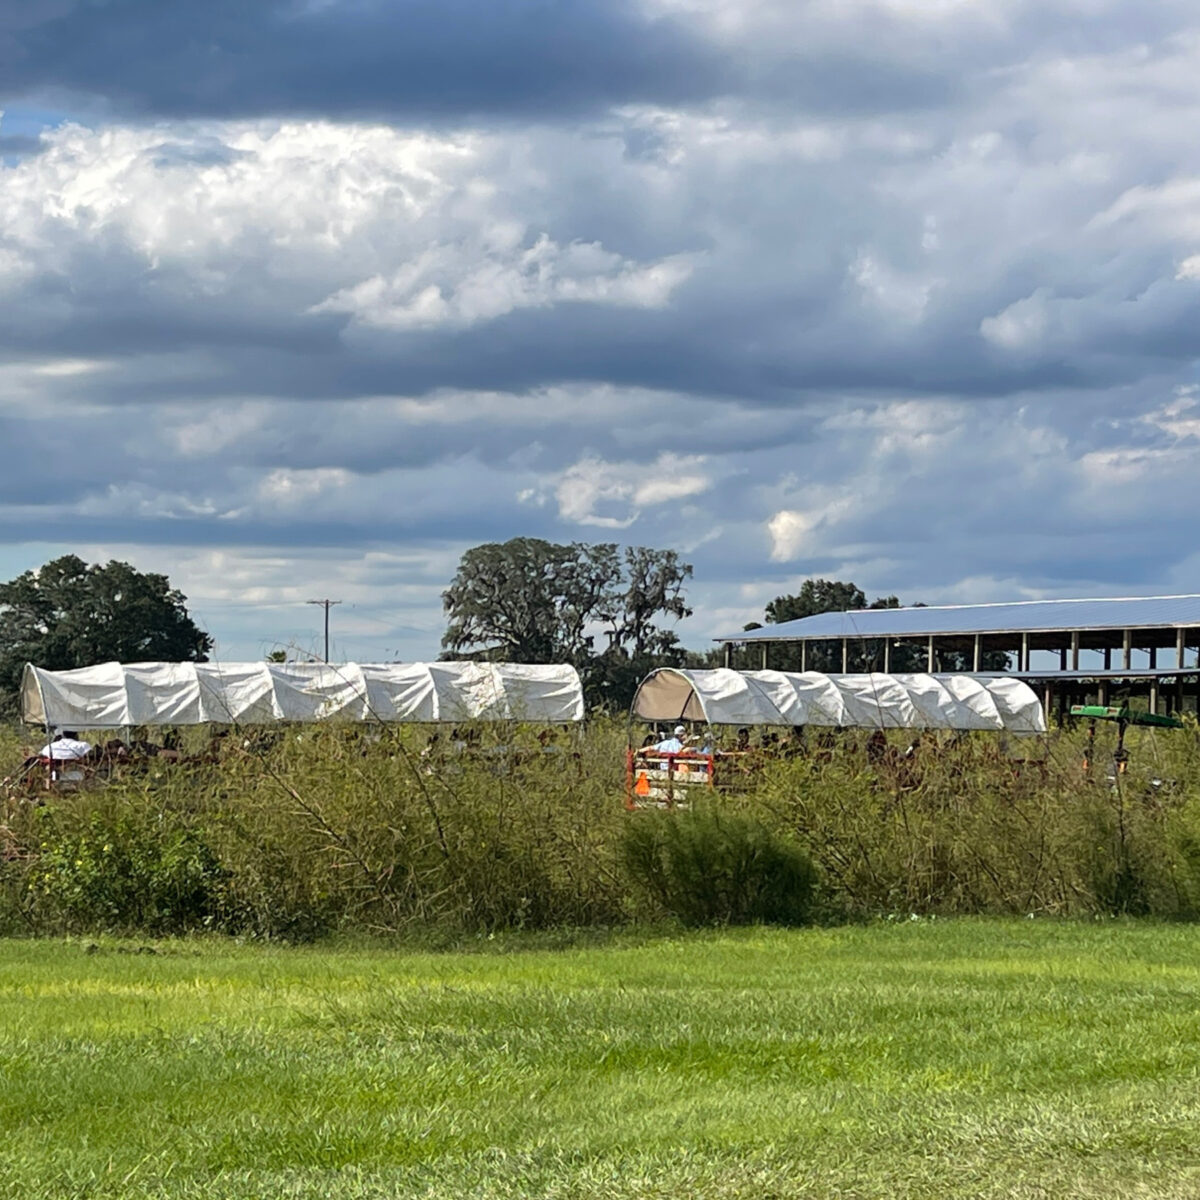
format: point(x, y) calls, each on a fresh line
point(673, 744)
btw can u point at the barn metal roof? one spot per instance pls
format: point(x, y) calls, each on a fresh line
point(1024, 616)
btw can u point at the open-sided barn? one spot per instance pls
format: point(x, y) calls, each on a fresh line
point(1069, 649)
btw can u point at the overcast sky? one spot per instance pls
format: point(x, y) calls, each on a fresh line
point(303, 298)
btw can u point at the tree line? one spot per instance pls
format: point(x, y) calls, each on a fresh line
point(606, 610)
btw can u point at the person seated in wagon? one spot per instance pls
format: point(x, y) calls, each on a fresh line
point(675, 743)
point(66, 747)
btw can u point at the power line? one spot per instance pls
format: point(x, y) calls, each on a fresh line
point(326, 605)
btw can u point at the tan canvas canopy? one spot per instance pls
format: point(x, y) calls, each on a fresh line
point(725, 697)
point(121, 695)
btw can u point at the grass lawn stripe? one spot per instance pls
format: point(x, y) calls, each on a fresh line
point(925, 1058)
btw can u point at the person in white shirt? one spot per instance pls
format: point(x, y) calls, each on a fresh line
point(66, 747)
point(673, 744)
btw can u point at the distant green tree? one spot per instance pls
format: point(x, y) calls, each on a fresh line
point(528, 600)
point(71, 614)
point(818, 596)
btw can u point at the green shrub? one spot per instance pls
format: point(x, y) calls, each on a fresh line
point(127, 874)
point(1185, 872)
point(706, 867)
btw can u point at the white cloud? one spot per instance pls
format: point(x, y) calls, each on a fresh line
point(66, 367)
point(1021, 326)
point(1189, 268)
point(291, 487)
point(790, 534)
point(904, 296)
point(612, 495)
point(221, 427)
point(461, 285)
point(136, 500)
point(1179, 417)
point(396, 229)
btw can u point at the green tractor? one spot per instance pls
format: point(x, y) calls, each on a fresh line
point(1124, 717)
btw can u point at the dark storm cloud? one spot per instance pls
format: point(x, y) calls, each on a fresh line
point(853, 84)
point(33, 473)
point(415, 60)
point(711, 343)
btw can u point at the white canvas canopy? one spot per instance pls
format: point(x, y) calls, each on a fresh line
point(122, 695)
point(726, 697)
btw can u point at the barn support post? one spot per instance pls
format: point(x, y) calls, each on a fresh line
point(764, 655)
point(887, 656)
point(930, 661)
point(977, 654)
point(845, 655)
point(1075, 651)
point(1024, 657)
point(1154, 695)
point(804, 656)
point(1108, 658)
point(1062, 659)
point(1180, 648)
point(728, 655)
point(1127, 649)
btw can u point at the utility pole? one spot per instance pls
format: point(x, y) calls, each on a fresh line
point(326, 605)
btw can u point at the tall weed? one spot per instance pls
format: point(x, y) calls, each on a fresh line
point(971, 825)
point(303, 830)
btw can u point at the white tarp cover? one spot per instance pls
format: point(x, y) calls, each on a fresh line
point(726, 697)
point(121, 695)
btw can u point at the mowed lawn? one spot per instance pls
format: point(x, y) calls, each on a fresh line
point(959, 1058)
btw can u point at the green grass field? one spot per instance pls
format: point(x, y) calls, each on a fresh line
point(931, 1058)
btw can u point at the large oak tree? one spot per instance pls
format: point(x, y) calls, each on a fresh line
point(71, 614)
point(529, 600)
